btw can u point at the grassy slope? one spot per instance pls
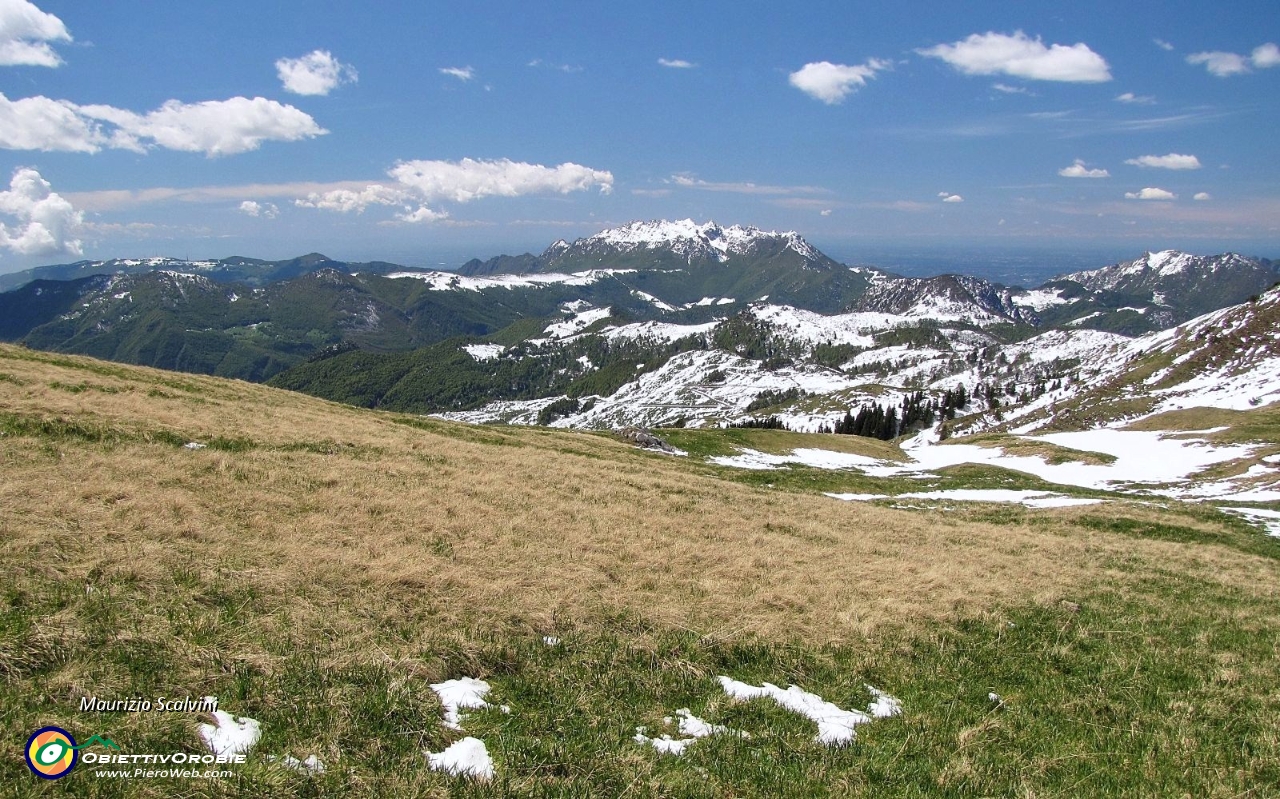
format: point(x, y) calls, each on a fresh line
point(317, 566)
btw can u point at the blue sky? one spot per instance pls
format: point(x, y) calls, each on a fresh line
point(422, 132)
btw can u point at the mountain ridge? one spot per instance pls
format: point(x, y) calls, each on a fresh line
point(637, 322)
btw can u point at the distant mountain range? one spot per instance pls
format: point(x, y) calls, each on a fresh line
point(652, 322)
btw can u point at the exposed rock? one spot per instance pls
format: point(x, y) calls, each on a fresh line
point(644, 439)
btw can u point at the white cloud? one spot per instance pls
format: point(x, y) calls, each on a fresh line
point(1170, 161)
point(1135, 99)
point(1267, 55)
point(1002, 87)
point(825, 212)
point(948, 197)
point(1163, 45)
point(676, 63)
point(690, 182)
point(1021, 56)
point(831, 83)
point(348, 200)
point(1202, 195)
point(1150, 194)
point(213, 127)
point(38, 123)
point(570, 69)
point(216, 127)
point(317, 72)
point(1221, 64)
point(461, 73)
point(469, 179)
point(1224, 65)
point(46, 221)
point(1079, 170)
point(265, 210)
point(422, 214)
point(421, 183)
point(25, 33)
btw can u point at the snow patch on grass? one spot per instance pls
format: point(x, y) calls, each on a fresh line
point(455, 695)
point(231, 735)
point(468, 758)
point(835, 726)
point(1032, 499)
point(1269, 519)
point(689, 725)
point(312, 764)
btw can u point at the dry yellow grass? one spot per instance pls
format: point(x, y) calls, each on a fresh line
point(343, 518)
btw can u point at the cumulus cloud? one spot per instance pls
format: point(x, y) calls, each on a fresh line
point(1021, 56)
point(38, 123)
point(469, 179)
point(348, 200)
point(461, 73)
point(1079, 170)
point(825, 212)
point(948, 197)
point(1170, 161)
point(1163, 45)
point(317, 72)
point(1150, 194)
point(1202, 195)
point(420, 184)
point(1220, 64)
point(46, 221)
point(215, 127)
point(1135, 99)
point(265, 210)
point(831, 83)
point(1224, 65)
point(1267, 55)
point(676, 63)
point(421, 214)
point(25, 34)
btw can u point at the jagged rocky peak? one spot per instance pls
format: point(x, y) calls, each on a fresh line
point(688, 238)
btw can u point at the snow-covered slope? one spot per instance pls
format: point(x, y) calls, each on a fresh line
point(1153, 266)
point(949, 298)
point(685, 238)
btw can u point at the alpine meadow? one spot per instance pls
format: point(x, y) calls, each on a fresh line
point(732, 400)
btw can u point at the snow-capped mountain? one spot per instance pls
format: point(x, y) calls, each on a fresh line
point(687, 239)
point(1172, 287)
point(662, 244)
point(662, 322)
point(236, 269)
point(948, 298)
point(1154, 266)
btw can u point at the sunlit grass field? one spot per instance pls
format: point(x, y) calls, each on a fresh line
point(317, 567)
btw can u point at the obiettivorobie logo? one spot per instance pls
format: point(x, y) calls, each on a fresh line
point(52, 751)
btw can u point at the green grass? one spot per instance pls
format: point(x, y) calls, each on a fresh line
point(1148, 681)
point(1170, 691)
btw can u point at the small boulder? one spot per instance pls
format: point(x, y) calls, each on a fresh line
point(644, 439)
